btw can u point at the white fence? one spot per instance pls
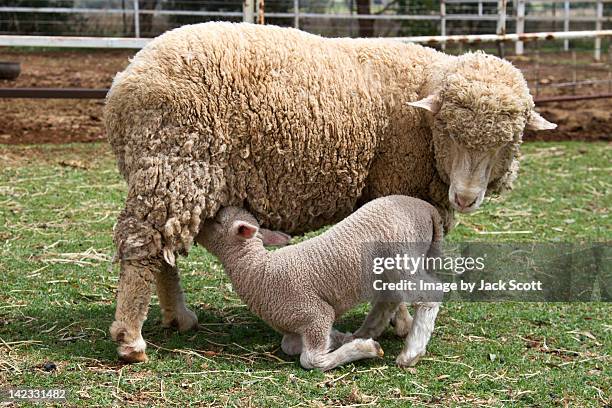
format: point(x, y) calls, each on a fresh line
point(505, 16)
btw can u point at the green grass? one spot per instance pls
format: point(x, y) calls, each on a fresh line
point(58, 205)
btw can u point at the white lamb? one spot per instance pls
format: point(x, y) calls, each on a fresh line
point(300, 290)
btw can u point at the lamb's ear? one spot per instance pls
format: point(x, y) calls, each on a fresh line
point(537, 122)
point(274, 238)
point(244, 230)
point(432, 103)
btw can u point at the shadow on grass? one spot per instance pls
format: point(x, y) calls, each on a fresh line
point(61, 333)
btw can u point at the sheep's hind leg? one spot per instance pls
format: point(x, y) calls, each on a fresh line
point(133, 297)
point(420, 333)
point(377, 320)
point(172, 300)
point(316, 343)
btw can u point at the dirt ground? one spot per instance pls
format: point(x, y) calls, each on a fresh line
point(68, 120)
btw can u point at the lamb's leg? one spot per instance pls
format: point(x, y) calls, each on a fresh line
point(172, 300)
point(401, 321)
point(316, 343)
point(133, 296)
point(420, 333)
point(316, 352)
point(337, 338)
point(291, 344)
point(377, 320)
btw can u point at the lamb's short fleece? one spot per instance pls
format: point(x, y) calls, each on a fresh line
point(300, 290)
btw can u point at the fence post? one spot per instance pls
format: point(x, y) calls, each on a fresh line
point(520, 25)
point(247, 11)
point(501, 24)
point(296, 13)
point(501, 17)
point(443, 21)
point(260, 6)
point(598, 27)
point(136, 19)
point(566, 22)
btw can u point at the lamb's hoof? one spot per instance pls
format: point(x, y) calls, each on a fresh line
point(409, 359)
point(370, 346)
point(183, 321)
point(401, 321)
point(401, 328)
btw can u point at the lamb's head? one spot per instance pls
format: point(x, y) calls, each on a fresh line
point(480, 108)
point(232, 227)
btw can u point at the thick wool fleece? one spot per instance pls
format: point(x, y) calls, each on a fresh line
point(296, 128)
point(302, 280)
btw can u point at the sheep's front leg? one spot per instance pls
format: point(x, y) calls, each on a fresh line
point(377, 320)
point(133, 297)
point(419, 335)
point(172, 300)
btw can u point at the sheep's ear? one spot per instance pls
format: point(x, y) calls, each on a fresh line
point(432, 103)
point(537, 122)
point(274, 238)
point(244, 230)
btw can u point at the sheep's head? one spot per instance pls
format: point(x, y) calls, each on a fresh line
point(479, 112)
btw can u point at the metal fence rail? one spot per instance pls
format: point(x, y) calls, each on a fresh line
point(137, 43)
point(506, 15)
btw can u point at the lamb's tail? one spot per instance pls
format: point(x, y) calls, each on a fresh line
point(438, 229)
point(435, 248)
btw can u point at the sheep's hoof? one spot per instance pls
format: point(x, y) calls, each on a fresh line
point(409, 359)
point(132, 356)
point(131, 348)
point(183, 321)
point(133, 352)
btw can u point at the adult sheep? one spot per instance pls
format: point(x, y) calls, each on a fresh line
point(299, 130)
